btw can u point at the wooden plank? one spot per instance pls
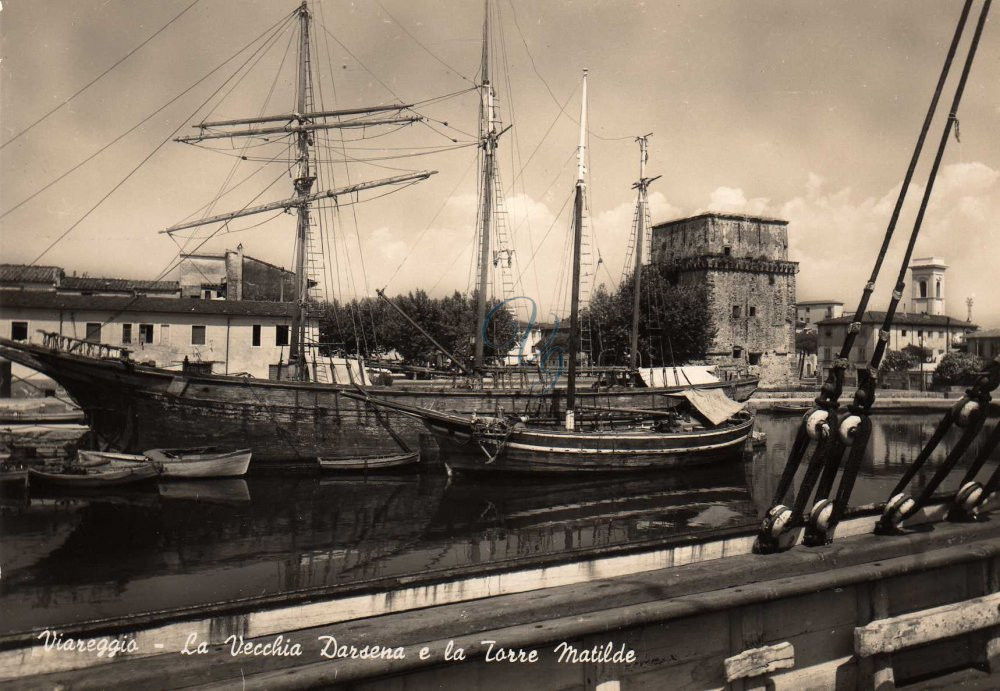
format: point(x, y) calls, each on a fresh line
point(757, 661)
point(924, 626)
point(565, 613)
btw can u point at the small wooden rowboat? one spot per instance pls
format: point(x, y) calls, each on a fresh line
point(206, 461)
point(110, 474)
point(376, 462)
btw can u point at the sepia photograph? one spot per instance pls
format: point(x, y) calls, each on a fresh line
point(494, 344)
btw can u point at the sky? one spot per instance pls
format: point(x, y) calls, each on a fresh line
point(804, 111)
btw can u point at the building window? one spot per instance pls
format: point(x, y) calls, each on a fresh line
point(281, 335)
point(940, 334)
point(19, 331)
point(94, 332)
point(753, 311)
point(126, 333)
point(754, 358)
point(736, 311)
point(255, 339)
point(164, 333)
point(197, 335)
point(737, 353)
point(726, 251)
point(807, 310)
point(770, 279)
point(920, 334)
point(902, 332)
point(145, 333)
point(206, 295)
point(829, 333)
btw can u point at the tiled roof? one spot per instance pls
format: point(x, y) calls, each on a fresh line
point(986, 333)
point(118, 284)
point(115, 303)
point(22, 273)
point(877, 317)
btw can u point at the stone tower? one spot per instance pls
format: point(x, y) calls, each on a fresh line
point(743, 262)
point(927, 281)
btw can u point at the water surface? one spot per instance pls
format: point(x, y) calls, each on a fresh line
point(67, 559)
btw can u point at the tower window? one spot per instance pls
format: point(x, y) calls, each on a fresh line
point(753, 311)
point(938, 289)
point(726, 251)
point(923, 289)
point(736, 311)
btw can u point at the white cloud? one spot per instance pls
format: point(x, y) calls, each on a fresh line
point(836, 238)
point(732, 199)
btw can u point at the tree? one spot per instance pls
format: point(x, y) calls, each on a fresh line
point(918, 354)
point(674, 321)
point(958, 369)
point(371, 327)
point(898, 361)
point(805, 342)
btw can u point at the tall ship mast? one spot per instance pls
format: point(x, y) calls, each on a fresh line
point(302, 122)
point(639, 230)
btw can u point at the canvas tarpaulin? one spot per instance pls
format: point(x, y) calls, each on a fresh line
point(713, 404)
point(685, 375)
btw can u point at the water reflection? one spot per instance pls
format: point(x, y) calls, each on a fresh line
point(69, 558)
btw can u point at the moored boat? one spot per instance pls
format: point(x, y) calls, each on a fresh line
point(111, 474)
point(372, 462)
point(202, 462)
point(714, 429)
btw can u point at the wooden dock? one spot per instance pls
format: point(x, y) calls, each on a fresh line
point(864, 612)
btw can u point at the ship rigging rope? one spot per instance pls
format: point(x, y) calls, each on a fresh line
point(102, 74)
point(461, 179)
point(417, 41)
point(864, 397)
point(151, 153)
point(534, 68)
point(246, 142)
point(834, 433)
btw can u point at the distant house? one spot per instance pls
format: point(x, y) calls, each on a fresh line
point(228, 337)
point(938, 333)
point(231, 275)
point(808, 312)
point(985, 344)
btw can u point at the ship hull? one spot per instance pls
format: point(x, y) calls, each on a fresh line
point(557, 451)
point(134, 407)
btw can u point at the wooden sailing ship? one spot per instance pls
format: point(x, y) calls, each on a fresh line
point(133, 407)
point(509, 444)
